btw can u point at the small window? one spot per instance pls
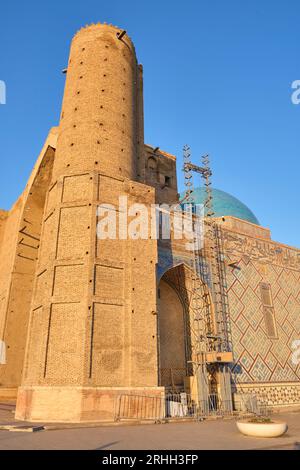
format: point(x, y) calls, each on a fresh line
point(268, 310)
point(167, 181)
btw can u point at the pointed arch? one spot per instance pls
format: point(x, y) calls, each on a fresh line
point(18, 254)
point(176, 312)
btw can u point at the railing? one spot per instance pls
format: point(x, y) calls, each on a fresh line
point(249, 403)
point(174, 405)
point(138, 407)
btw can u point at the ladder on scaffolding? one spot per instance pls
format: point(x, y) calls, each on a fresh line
point(210, 330)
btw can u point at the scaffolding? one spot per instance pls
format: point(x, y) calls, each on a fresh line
point(210, 323)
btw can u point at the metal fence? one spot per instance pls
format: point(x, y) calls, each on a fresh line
point(249, 403)
point(174, 405)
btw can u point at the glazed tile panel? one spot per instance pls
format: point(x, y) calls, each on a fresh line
point(259, 358)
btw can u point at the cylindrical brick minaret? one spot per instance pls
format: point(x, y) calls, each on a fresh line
point(92, 330)
point(99, 119)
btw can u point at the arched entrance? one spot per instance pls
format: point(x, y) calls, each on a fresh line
point(24, 225)
point(172, 336)
point(187, 335)
point(179, 291)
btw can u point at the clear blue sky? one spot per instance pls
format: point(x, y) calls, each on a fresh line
point(217, 73)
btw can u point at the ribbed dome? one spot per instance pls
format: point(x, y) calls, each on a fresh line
point(225, 204)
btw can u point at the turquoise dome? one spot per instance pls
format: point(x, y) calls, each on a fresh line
point(225, 204)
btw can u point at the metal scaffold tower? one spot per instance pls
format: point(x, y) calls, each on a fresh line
point(210, 325)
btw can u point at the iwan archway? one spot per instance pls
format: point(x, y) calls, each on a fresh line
point(182, 297)
point(178, 291)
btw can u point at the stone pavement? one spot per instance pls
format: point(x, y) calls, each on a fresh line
point(214, 434)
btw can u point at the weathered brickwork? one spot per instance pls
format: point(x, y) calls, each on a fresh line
point(19, 247)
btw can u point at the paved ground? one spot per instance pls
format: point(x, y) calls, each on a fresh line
point(220, 434)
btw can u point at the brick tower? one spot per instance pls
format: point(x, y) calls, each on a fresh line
point(92, 330)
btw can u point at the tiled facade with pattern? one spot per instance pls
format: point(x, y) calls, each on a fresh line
point(264, 366)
